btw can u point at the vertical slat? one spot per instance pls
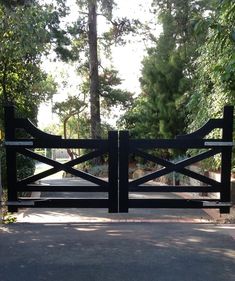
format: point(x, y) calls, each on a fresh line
point(10, 157)
point(123, 171)
point(227, 135)
point(113, 171)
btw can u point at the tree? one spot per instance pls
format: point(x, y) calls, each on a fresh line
point(88, 42)
point(94, 74)
point(138, 119)
point(214, 83)
point(25, 35)
point(66, 110)
point(168, 71)
point(167, 68)
point(110, 94)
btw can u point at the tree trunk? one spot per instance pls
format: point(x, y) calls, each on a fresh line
point(94, 76)
point(69, 151)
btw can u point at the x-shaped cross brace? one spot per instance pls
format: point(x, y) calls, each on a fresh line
point(178, 167)
point(67, 167)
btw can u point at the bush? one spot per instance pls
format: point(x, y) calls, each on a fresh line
point(25, 167)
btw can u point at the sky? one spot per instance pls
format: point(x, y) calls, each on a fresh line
point(126, 59)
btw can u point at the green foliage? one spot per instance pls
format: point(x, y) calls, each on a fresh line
point(26, 34)
point(70, 107)
point(167, 74)
point(138, 119)
point(27, 164)
point(9, 218)
point(74, 110)
point(110, 94)
point(162, 82)
point(116, 30)
point(214, 83)
point(98, 170)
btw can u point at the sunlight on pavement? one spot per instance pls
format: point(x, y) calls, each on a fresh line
point(206, 230)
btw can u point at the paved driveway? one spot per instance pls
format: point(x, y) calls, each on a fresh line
point(117, 252)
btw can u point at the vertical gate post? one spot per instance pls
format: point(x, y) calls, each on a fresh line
point(227, 136)
point(10, 157)
point(123, 171)
point(113, 171)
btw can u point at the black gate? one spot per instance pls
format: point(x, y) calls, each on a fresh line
point(39, 139)
point(194, 140)
point(118, 148)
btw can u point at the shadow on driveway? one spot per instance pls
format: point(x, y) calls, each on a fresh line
point(117, 252)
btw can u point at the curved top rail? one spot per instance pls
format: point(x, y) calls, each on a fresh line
point(204, 130)
point(33, 130)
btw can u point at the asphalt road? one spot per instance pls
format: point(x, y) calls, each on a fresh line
point(117, 252)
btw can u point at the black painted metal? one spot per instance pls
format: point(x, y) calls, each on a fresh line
point(39, 139)
point(205, 130)
point(124, 147)
point(176, 203)
point(227, 135)
point(174, 188)
point(63, 188)
point(61, 203)
point(113, 172)
point(195, 140)
point(118, 147)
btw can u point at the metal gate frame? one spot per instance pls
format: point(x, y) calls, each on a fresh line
point(118, 147)
point(40, 139)
point(194, 140)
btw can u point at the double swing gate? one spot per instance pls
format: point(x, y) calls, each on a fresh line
point(118, 149)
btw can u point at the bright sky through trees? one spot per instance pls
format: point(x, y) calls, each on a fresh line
point(126, 59)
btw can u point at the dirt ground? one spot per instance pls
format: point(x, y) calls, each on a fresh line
point(227, 218)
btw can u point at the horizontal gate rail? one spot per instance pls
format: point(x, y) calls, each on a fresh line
point(178, 143)
point(176, 203)
point(134, 203)
point(62, 143)
point(63, 188)
point(60, 203)
point(173, 188)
